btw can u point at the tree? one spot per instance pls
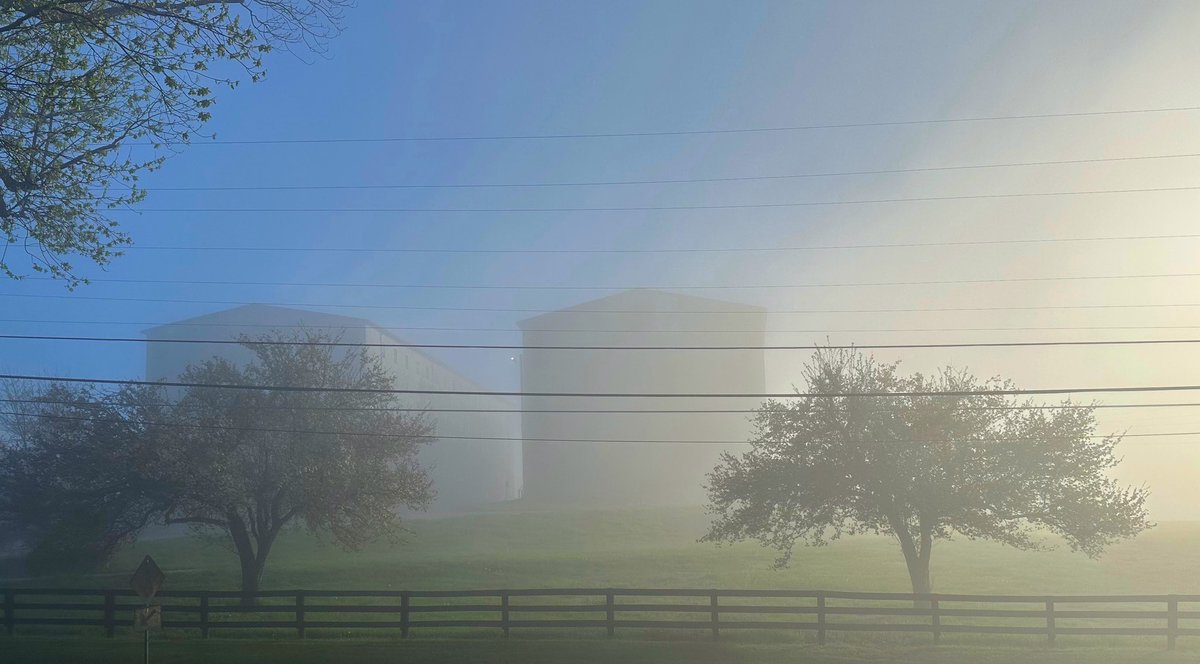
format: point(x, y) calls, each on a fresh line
point(246, 462)
point(920, 468)
point(93, 91)
point(70, 487)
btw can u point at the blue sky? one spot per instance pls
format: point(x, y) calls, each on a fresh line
point(486, 68)
point(479, 68)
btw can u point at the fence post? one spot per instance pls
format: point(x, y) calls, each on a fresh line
point(1172, 621)
point(611, 617)
point(821, 618)
point(110, 613)
point(10, 611)
point(716, 630)
point(204, 614)
point(300, 613)
point(504, 612)
point(404, 614)
point(937, 621)
point(1050, 635)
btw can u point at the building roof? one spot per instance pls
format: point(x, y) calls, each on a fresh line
point(270, 316)
point(287, 317)
point(648, 300)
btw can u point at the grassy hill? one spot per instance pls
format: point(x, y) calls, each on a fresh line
point(657, 548)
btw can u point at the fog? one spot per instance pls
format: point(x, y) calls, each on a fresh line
point(595, 247)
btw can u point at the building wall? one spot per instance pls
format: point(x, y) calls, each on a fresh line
point(637, 473)
point(465, 473)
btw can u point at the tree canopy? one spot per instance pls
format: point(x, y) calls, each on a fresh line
point(920, 468)
point(95, 92)
point(83, 471)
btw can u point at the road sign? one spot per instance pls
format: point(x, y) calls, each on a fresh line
point(148, 617)
point(147, 579)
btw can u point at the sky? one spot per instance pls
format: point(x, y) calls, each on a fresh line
point(535, 68)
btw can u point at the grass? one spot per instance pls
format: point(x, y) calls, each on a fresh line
point(630, 548)
point(522, 651)
point(659, 548)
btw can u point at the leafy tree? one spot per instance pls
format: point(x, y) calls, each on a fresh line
point(83, 81)
point(69, 481)
point(920, 468)
point(247, 462)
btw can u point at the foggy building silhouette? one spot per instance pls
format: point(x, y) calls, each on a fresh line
point(465, 473)
point(639, 473)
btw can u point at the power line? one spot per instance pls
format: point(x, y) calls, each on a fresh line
point(355, 344)
point(698, 250)
point(755, 311)
point(609, 411)
point(692, 132)
point(607, 395)
point(509, 330)
point(606, 183)
point(619, 287)
point(632, 441)
point(651, 208)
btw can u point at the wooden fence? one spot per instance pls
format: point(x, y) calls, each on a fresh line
point(815, 611)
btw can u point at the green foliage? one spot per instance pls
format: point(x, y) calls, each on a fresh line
point(69, 482)
point(82, 80)
point(920, 468)
point(72, 542)
point(246, 462)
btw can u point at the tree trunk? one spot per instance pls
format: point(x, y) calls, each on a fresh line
point(252, 570)
point(253, 547)
point(919, 575)
point(252, 565)
point(916, 558)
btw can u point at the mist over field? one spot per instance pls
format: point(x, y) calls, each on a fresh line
point(677, 331)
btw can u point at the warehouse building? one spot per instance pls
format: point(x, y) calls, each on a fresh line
point(466, 474)
point(641, 472)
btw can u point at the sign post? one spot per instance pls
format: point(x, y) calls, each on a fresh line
point(146, 581)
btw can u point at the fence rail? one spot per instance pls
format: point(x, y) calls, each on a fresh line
point(818, 611)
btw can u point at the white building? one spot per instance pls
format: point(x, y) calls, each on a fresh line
point(465, 473)
point(636, 473)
